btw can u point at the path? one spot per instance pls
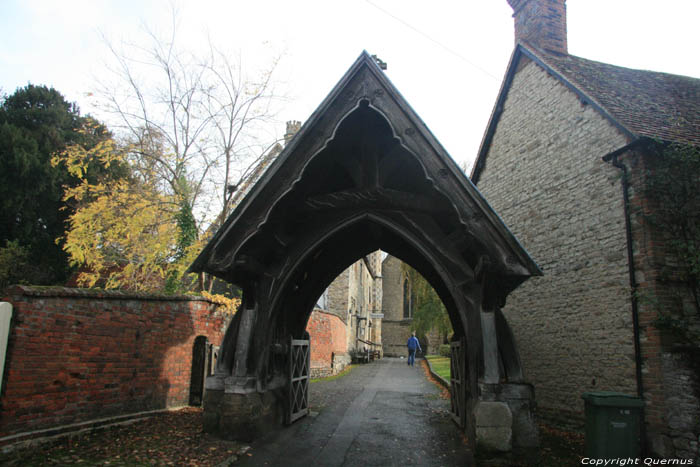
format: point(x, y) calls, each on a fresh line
point(381, 414)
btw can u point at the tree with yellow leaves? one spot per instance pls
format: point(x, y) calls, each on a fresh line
point(125, 232)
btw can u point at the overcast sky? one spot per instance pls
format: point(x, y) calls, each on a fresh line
point(447, 58)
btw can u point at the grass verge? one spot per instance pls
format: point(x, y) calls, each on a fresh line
point(440, 364)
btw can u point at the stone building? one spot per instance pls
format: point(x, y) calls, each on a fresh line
point(565, 162)
point(347, 319)
point(398, 309)
point(368, 306)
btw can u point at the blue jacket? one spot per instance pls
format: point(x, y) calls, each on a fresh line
point(413, 343)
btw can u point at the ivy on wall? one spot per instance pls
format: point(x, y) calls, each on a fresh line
point(673, 189)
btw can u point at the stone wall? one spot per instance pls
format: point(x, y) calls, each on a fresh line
point(78, 355)
point(392, 278)
point(431, 342)
point(338, 296)
point(362, 301)
point(395, 330)
point(545, 177)
point(396, 333)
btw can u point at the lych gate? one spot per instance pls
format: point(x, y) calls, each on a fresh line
point(364, 173)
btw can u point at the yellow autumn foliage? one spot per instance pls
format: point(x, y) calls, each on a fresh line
point(225, 304)
point(123, 233)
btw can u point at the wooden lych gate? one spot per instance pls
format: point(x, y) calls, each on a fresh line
point(363, 173)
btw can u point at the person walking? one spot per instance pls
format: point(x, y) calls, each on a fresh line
point(412, 345)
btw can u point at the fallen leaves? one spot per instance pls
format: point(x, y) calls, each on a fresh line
point(444, 392)
point(172, 438)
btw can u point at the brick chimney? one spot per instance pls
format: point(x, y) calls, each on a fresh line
point(541, 23)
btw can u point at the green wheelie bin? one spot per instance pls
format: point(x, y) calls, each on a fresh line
point(612, 425)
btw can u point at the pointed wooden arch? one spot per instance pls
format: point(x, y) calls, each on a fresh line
point(363, 173)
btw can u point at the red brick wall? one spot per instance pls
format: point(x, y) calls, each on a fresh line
point(646, 272)
point(327, 335)
point(78, 355)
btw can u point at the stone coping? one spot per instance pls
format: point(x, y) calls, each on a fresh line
point(51, 291)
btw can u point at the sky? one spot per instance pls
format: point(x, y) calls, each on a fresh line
point(447, 58)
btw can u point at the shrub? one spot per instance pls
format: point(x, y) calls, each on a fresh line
point(444, 350)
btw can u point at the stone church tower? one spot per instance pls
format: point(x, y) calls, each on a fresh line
point(398, 309)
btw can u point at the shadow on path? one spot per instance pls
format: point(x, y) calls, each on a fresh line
point(381, 414)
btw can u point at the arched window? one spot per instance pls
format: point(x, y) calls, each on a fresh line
point(407, 311)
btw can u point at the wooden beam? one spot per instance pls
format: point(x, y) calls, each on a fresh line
point(376, 199)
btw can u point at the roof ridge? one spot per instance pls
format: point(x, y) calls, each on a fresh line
point(611, 65)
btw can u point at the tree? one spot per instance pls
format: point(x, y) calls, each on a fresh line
point(35, 122)
point(124, 232)
point(428, 310)
point(194, 120)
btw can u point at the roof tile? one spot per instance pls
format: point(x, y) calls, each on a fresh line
point(647, 103)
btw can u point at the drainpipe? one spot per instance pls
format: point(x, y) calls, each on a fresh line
point(613, 158)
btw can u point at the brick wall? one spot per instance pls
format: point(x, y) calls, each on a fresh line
point(327, 336)
point(541, 23)
point(77, 355)
point(545, 177)
point(670, 373)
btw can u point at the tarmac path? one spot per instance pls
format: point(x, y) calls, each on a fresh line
point(380, 414)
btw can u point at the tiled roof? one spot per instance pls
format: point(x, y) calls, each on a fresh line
point(647, 103)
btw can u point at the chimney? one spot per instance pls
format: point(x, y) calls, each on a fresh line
point(293, 127)
point(541, 23)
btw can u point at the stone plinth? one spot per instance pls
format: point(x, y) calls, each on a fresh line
point(494, 426)
point(241, 417)
point(520, 398)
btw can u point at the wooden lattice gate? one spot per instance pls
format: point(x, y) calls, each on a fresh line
point(299, 363)
point(458, 382)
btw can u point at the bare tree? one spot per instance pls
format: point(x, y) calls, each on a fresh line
point(197, 119)
point(236, 106)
